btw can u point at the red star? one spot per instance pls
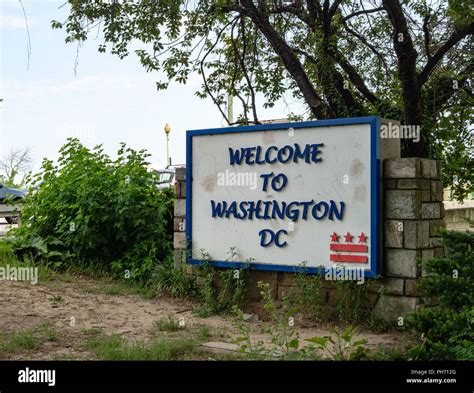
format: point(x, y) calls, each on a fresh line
point(334, 237)
point(362, 238)
point(348, 237)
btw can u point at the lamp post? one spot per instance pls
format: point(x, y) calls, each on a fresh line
point(167, 132)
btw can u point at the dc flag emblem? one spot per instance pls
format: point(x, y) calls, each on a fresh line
point(348, 251)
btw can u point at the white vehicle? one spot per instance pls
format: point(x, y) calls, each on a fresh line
point(166, 177)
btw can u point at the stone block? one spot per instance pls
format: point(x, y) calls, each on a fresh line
point(411, 287)
point(180, 190)
point(284, 291)
point(402, 263)
point(179, 240)
point(429, 169)
point(179, 224)
point(416, 234)
point(180, 208)
point(437, 191)
point(286, 279)
point(180, 174)
point(390, 308)
point(394, 233)
point(253, 292)
point(375, 286)
point(390, 184)
point(179, 258)
point(431, 210)
point(425, 195)
point(402, 168)
point(372, 299)
point(414, 184)
point(392, 286)
point(177, 191)
point(427, 254)
point(402, 204)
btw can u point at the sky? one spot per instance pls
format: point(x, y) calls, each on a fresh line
point(107, 100)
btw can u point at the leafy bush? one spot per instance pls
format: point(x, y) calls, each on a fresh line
point(90, 210)
point(448, 328)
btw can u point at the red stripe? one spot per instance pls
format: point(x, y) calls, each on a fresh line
point(348, 258)
point(349, 247)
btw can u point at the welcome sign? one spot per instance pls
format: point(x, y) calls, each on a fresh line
point(283, 195)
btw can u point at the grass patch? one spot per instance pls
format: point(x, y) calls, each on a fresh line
point(203, 332)
point(47, 333)
point(93, 331)
point(29, 339)
point(22, 340)
point(107, 286)
point(167, 324)
point(113, 347)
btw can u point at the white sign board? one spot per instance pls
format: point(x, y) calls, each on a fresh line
point(277, 196)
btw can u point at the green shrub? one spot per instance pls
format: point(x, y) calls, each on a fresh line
point(89, 210)
point(448, 329)
point(170, 280)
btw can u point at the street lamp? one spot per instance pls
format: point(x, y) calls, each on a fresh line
point(167, 132)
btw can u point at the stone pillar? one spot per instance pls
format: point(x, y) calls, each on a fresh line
point(413, 214)
point(179, 238)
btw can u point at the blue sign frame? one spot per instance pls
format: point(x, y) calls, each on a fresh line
point(373, 121)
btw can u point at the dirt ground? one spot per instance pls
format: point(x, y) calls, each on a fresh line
point(72, 307)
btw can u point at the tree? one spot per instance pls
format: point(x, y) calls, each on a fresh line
point(17, 162)
point(409, 60)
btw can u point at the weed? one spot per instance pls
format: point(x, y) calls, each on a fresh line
point(47, 332)
point(167, 324)
point(232, 286)
point(281, 328)
point(56, 299)
point(341, 346)
point(351, 304)
point(169, 279)
point(307, 293)
point(203, 332)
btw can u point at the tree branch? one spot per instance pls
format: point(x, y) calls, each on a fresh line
point(289, 59)
point(432, 62)
point(362, 12)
